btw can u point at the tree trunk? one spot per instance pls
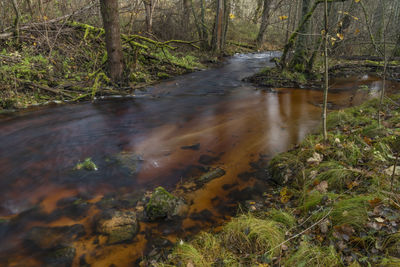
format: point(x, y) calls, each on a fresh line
point(110, 15)
point(264, 22)
point(218, 27)
point(396, 52)
point(326, 87)
point(17, 19)
point(227, 11)
point(149, 6)
point(300, 54)
point(186, 16)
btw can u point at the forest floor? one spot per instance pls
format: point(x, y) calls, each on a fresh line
point(330, 203)
point(71, 66)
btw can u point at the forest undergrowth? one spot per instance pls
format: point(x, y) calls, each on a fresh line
point(70, 65)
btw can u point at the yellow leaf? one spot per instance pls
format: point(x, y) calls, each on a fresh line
point(340, 36)
point(357, 31)
point(283, 17)
point(45, 18)
point(357, 1)
point(231, 16)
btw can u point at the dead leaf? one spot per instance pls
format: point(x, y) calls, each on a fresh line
point(315, 159)
point(375, 202)
point(319, 147)
point(322, 187)
point(379, 220)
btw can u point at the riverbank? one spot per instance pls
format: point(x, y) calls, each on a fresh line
point(273, 77)
point(331, 203)
point(36, 72)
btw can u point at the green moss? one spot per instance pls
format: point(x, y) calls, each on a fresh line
point(163, 75)
point(87, 164)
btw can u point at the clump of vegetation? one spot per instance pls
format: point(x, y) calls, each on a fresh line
point(312, 255)
point(204, 250)
point(250, 235)
point(87, 164)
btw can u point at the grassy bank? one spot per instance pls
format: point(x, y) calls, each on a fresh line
point(333, 203)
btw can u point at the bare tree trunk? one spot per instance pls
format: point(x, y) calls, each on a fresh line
point(218, 28)
point(227, 11)
point(264, 22)
point(110, 14)
point(17, 19)
point(186, 15)
point(326, 42)
point(149, 6)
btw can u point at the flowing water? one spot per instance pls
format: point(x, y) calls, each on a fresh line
point(174, 130)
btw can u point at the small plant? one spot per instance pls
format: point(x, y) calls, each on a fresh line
point(87, 164)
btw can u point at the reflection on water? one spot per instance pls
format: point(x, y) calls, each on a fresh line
point(230, 120)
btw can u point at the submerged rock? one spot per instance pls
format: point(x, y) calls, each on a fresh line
point(119, 226)
point(162, 205)
point(53, 237)
point(60, 257)
point(131, 161)
point(211, 175)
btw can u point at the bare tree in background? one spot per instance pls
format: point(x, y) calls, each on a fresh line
point(264, 22)
point(17, 19)
point(149, 6)
point(110, 14)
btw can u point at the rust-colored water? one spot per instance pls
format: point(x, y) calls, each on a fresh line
point(231, 120)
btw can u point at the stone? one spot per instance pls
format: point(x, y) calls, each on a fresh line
point(163, 205)
point(211, 175)
point(52, 237)
point(60, 257)
point(131, 161)
point(119, 226)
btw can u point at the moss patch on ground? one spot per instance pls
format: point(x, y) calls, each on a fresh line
point(333, 203)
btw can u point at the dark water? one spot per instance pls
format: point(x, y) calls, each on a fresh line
point(226, 119)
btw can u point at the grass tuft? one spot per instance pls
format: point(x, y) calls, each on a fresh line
point(247, 234)
point(311, 255)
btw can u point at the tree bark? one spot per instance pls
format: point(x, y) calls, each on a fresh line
point(264, 22)
point(218, 28)
point(149, 6)
point(17, 19)
point(186, 15)
point(300, 54)
point(326, 78)
point(110, 15)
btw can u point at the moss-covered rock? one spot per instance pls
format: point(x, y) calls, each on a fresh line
point(118, 226)
point(162, 205)
point(87, 164)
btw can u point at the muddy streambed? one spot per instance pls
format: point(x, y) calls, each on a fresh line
point(167, 136)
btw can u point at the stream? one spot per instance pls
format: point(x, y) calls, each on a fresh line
point(163, 136)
